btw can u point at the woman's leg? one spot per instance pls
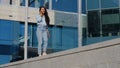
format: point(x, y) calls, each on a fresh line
point(39, 38)
point(45, 42)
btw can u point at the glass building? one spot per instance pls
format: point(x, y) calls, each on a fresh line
point(103, 20)
point(12, 30)
point(100, 22)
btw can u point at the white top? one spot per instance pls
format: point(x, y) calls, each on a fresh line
point(41, 20)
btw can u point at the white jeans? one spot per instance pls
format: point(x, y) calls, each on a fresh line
point(42, 38)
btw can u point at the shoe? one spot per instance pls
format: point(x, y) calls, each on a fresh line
point(44, 53)
point(40, 55)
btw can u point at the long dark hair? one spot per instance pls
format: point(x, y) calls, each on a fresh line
point(47, 19)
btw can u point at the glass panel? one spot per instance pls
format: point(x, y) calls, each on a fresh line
point(109, 3)
point(110, 22)
point(92, 4)
point(33, 3)
point(22, 2)
point(63, 29)
point(65, 5)
point(66, 30)
point(38, 3)
point(84, 6)
point(9, 42)
point(93, 24)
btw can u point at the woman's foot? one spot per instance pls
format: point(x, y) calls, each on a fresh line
point(44, 53)
point(40, 55)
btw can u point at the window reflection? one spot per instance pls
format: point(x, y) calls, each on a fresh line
point(93, 24)
point(110, 22)
point(109, 3)
point(36, 3)
point(92, 4)
point(106, 24)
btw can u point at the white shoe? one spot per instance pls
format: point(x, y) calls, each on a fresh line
point(44, 53)
point(40, 55)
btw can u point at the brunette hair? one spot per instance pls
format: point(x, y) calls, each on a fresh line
point(47, 19)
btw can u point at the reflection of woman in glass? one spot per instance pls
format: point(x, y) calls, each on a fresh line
point(42, 30)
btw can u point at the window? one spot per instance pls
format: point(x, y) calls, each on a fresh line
point(110, 22)
point(93, 24)
point(92, 4)
point(109, 3)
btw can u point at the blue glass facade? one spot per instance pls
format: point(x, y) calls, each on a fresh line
point(63, 5)
point(93, 4)
point(103, 24)
point(12, 37)
point(62, 37)
point(109, 3)
point(9, 34)
point(60, 5)
point(103, 20)
point(102, 4)
point(5, 59)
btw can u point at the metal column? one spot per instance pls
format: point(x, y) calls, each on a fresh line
point(26, 30)
point(79, 24)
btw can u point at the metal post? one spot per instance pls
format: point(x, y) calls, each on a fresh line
point(50, 4)
point(79, 24)
point(26, 30)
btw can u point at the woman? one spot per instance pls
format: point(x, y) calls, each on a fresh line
point(42, 30)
